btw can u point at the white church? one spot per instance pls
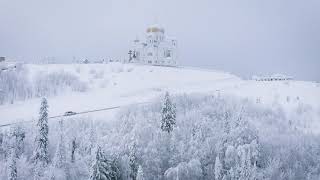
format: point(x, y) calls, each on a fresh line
point(156, 49)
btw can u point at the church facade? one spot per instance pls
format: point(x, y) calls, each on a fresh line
point(156, 49)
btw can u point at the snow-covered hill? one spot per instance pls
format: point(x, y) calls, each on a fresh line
point(118, 84)
point(217, 123)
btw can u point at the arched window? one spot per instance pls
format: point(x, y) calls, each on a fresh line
point(168, 54)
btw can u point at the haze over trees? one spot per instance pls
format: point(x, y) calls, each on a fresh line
point(16, 85)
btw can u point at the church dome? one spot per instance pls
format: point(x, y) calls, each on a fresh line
point(155, 28)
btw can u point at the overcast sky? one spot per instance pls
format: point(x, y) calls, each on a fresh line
point(245, 37)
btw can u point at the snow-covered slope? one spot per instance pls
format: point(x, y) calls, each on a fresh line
point(118, 84)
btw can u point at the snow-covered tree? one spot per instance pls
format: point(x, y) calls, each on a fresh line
point(41, 154)
point(60, 158)
point(92, 139)
point(185, 171)
point(244, 166)
point(168, 114)
point(140, 175)
point(246, 153)
point(232, 174)
point(133, 162)
point(73, 149)
point(15, 84)
point(218, 169)
point(103, 168)
point(255, 152)
point(124, 166)
point(16, 139)
point(12, 165)
point(15, 145)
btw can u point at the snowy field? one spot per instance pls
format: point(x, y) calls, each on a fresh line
point(118, 84)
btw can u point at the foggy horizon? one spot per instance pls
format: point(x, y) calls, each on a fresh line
point(245, 38)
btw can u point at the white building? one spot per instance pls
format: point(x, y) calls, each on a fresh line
point(274, 77)
point(156, 49)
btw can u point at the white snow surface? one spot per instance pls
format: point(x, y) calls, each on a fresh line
point(117, 84)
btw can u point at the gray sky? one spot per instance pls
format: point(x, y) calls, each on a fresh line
point(244, 37)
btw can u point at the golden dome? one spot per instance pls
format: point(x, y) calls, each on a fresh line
point(155, 29)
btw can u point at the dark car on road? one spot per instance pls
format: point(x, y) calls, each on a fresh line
point(69, 113)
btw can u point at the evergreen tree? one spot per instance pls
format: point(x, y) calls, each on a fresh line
point(218, 170)
point(168, 114)
point(12, 165)
point(92, 139)
point(102, 168)
point(73, 149)
point(59, 169)
point(255, 152)
point(60, 158)
point(13, 156)
point(18, 135)
point(140, 175)
point(133, 162)
point(16, 138)
point(232, 174)
point(41, 155)
point(244, 167)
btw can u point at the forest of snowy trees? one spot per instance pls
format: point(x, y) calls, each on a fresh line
point(17, 85)
point(184, 137)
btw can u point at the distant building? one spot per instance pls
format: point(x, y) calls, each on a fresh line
point(156, 49)
point(2, 59)
point(86, 61)
point(275, 77)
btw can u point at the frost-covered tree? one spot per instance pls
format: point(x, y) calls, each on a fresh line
point(16, 147)
point(103, 168)
point(218, 169)
point(244, 167)
point(232, 174)
point(133, 162)
point(124, 166)
point(16, 84)
point(41, 154)
point(60, 158)
point(13, 157)
point(168, 114)
point(255, 152)
point(12, 165)
point(92, 139)
point(73, 149)
point(59, 170)
point(185, 171)
point(140, 175)
point(247, 151)
point(18, 136)
point(99, 167)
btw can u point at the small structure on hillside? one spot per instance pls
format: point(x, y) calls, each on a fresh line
point(274, 77)
point(85, 61)
point(9, 64)
point(156, 49)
